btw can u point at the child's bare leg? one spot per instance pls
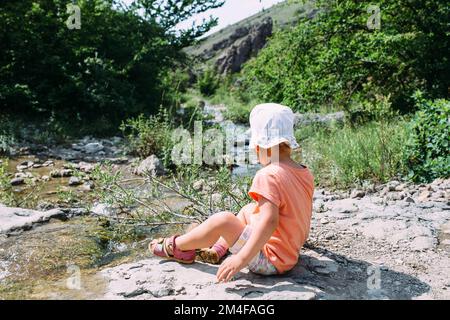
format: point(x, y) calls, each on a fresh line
point(244, 216)
point(220, 248)
point(223, 224)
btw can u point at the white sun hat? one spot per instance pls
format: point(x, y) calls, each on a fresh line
point(272, 124)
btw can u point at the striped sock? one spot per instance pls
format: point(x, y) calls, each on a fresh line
point(220, 249)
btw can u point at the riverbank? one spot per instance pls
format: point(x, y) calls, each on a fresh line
point(391, 243)
point(58, 240)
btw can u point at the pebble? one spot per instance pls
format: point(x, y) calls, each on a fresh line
point(74, 181)
point(422, 243)
point(198, 185)
point(329, 236)
point(357, 194)
point(409, 200)
point(17, 181)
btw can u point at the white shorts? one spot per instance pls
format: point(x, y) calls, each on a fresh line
point(260, 264)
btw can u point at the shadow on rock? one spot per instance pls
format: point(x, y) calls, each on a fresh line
point(323, 274)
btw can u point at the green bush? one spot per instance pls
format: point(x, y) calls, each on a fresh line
point(428, 149)
point(328, 61)
point(208, 82)
point(150, 135)
point(342, 157)
point(238, 104)
point(117, 65)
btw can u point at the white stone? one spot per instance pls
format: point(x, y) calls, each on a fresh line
point(93, 147)
point(103, 210)
point(151, 165)
point(12, 219)
point(74, 181)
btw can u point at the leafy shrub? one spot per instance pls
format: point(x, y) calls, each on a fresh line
point(238, 104)
point(239, 113)
point(150, 135)
point(327, 61)
point(208, 82)
point(428, 149)
point(115, 65)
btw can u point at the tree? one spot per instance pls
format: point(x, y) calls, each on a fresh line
point(339, 59)
point(111, 68)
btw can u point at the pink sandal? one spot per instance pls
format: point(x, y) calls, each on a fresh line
point(160, 249)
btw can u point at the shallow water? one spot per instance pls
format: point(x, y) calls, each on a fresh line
point(61, 259)
point(48, 190)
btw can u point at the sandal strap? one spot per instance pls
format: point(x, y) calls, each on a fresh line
point(169, 242)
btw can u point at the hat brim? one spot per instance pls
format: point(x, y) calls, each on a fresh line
point(292, 142)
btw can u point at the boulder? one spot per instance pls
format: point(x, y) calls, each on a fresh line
point(93, 147)
point(151, 165)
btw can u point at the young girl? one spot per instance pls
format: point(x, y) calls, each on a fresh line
point(267, 234)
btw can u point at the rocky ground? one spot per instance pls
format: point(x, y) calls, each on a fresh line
point(388, 243)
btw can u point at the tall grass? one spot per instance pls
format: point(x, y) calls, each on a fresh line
point(348, 156)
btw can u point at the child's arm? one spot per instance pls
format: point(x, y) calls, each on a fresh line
point(261, 233)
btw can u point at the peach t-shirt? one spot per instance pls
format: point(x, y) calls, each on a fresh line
point(291, 190)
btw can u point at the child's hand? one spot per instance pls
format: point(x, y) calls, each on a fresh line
point(229, 268)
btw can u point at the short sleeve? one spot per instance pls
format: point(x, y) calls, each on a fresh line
point(265, 185)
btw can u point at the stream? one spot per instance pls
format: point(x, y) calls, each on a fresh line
point(41, 263)
point(400, 227)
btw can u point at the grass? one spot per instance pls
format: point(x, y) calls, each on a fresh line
point(238, 107)
point(349, 156)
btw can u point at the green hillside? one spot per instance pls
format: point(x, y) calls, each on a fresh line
point(282, 14)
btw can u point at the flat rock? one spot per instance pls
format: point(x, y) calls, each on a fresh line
point(12, 219)
point(159, 279)
point(382, 229)
point(422, 243)
point(320, 264)
point(345, 206)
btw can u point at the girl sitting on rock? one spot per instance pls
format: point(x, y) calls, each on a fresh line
point(268, 233)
